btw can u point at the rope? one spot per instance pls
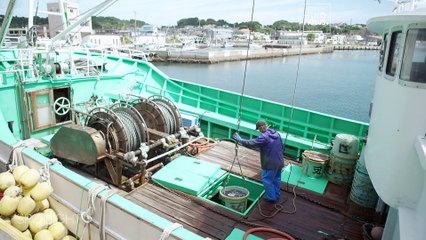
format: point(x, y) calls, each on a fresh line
point(168, 230)
point(45, 170)
point(297, 76)
point(236, 158)
point(104, 198)
point(17, 158)
point(87, 216)
point(245, 73)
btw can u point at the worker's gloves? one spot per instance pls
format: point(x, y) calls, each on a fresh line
point(237, 137)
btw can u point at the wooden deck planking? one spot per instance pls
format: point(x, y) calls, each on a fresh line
point(184, 210)
point(316, 216)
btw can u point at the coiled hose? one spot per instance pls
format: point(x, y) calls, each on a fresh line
point(271, 230)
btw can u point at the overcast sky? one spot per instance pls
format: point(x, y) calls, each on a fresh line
point(168, 12)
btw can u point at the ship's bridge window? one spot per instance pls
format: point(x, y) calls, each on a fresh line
point(383, 51)
point(414, 62)
point(394, 51)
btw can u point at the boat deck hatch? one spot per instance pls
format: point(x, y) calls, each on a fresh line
point(189, 175)
point(205, 180)
point(213, 195)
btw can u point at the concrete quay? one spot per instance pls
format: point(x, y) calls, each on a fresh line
point(224, 55)
point(353, 47)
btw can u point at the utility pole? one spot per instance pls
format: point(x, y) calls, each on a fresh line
point(134, 30)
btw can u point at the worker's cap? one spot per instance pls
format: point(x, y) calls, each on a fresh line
point(260, 123)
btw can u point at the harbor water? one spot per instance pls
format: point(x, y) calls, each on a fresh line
point(339, 83)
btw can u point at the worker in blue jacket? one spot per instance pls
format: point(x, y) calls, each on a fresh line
point(271, 158)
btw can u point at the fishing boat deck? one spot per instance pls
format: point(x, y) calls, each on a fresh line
point(329, 216)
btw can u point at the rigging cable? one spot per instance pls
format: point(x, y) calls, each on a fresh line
point(242, 98)
point(297, 74)
point(278, 207)
point(292, 110)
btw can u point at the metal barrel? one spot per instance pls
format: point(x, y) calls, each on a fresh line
point(340, 170)
point(362, 190)
point(314, 163)
point(346, 146)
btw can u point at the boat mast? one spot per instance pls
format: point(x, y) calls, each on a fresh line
point(30, 13)
point(82, 19)
point(6, 21)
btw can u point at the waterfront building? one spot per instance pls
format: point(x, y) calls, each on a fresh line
point(219, 33)
point(337, 39)
point(148, 30)
point(102, 40)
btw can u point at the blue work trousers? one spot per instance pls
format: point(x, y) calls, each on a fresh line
point(271, 180)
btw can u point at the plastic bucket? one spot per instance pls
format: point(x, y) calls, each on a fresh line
point(313, 163)
point(340, 170)
point(346, 146)
point(362, 191)
point(235, 197)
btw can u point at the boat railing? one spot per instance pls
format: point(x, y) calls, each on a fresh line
point(126, 52)
point(408, 5)
point(31, 64)
point(23, 67)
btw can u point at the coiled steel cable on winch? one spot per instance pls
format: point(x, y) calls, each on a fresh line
point(135, 125)
point(169, 112)
point(122, 124)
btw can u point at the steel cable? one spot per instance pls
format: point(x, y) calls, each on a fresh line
point(168, 116)
point(130, 128)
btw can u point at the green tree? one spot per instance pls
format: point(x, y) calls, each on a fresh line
point(222, 22)
point(253, 26)
point(310, 37)
point(210, 21)
point(188, 22)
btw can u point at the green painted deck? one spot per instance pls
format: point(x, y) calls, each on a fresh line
point(188, 174)
point(293, 174)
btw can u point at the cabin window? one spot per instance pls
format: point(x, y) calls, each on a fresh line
point(414, 62)
point(383, 51)
point(394, 51)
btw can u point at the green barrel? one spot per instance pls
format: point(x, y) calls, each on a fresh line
point(235, 197)
point(314, 163)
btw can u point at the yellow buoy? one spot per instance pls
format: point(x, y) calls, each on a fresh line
point(51, 216)
point(69, 237)
point(28, 234)
point(18, 171)
point(41, 206)
point(41, 191)
point(43, 235)
point(8, 205)
point(20, 222)
point(26, 206)
point(30, 178)
point(38, 222)
point(6, 180)
point(13, 191)
point(58, 230)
